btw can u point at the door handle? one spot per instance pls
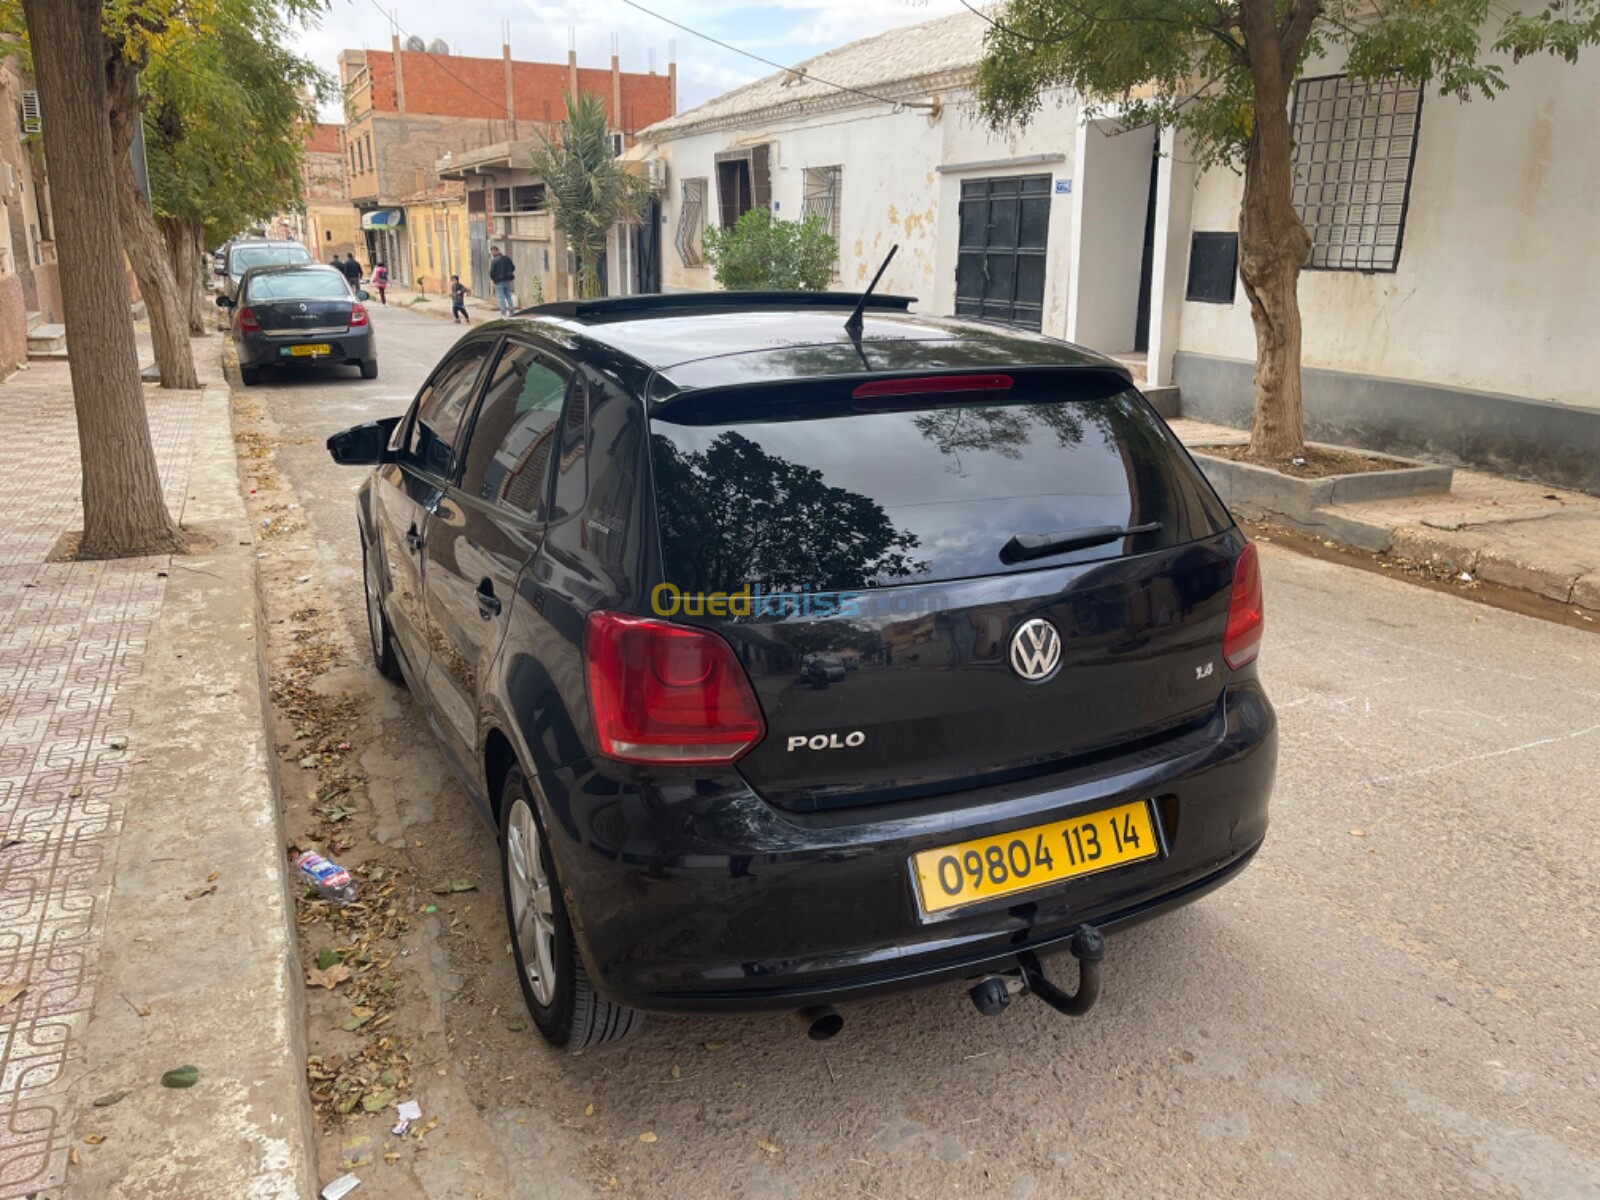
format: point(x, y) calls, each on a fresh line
point(488, 602)
point(414, 540)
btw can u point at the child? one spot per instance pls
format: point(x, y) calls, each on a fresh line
point(380, 280)
point(458, 301)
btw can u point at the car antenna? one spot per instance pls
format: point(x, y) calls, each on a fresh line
point(853, 325)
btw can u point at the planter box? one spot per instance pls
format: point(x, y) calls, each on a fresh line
point(1261, 492)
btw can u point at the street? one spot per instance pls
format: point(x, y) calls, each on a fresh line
point(1398, 997)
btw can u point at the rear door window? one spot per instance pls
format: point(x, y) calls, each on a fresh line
point(508, 458)
point(916, 495)
point(441, 408)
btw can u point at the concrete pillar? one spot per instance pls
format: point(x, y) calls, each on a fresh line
point(1169, 266)
point(572, 73)
point(511, 95)
point(672, 85)
point(399, 74)
point(616, 92)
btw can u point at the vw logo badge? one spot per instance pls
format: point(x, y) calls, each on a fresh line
point(1035, 650)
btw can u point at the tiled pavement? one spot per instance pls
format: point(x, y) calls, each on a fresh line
point(72, 640)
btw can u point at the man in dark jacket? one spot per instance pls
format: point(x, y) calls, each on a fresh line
point(352, 271)
point(501, 273)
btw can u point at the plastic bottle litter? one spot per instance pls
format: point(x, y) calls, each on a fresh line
point(328, 879)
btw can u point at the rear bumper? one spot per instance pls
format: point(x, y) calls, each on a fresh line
point(715, 900)
point(351, 346)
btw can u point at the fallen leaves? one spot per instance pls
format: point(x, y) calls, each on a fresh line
point(770, 1147)
point(328, 977)
point(10, 991)
point(181, 1077)
point(647, 1138)
point(196, 893)
point(455, 885)
point(111, 1098)
point(94, 1139)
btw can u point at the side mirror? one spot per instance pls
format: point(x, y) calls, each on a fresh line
point(363, 294)
point(224, 301)
point(364, 445)
point(220, 270)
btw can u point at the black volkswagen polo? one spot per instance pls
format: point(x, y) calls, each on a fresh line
point(609, 538)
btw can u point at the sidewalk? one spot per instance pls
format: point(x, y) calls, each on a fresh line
point(1521, 535)
point(133, 763)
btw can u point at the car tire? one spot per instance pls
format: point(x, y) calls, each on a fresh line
point(250, 374)
point(559, 995)
point(369, 368)
point(383, 655)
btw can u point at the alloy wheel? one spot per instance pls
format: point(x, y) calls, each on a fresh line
point(532, 913)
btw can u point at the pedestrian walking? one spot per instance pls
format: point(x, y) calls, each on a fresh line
point(502, 272)
point(338, 261)
point(380, 280)
point(458, 301)
point(352, 271)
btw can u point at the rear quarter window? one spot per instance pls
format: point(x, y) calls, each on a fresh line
point(878, 498)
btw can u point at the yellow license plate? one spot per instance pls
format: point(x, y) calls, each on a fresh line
point(982, 869)
point(310, 351)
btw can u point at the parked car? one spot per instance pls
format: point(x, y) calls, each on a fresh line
point(819, 670)
point(1057, 728)
point(293, 316)
point(243, 253)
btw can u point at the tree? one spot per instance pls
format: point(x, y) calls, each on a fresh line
point(225, 116)
point(761, 252)
point(1221, 72)
point(123, 509)
point(590, 190)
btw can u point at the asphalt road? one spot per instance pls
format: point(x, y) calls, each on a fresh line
point(1401, 996)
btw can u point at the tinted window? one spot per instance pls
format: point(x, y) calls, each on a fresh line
point(440, 410)
point(572, 461)
point(245, 257)
point(858, 499)
point(509, 455)
point(298, 285)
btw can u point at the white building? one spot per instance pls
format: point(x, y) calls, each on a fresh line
point(1449, 307)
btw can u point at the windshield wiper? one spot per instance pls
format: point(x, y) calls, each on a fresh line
point(1025, 546)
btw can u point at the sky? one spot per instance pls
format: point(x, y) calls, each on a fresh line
point(785, 31)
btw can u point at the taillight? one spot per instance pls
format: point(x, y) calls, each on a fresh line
point(247, 321)
point(923, 385)
point(358, 314)
point(1243, 638)
point(667, 693)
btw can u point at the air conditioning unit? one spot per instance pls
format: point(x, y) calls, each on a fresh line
point(30, 113)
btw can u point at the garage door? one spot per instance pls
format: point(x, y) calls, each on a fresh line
point(1004, 228)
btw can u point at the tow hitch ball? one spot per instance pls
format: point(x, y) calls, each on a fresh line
point(993, 993)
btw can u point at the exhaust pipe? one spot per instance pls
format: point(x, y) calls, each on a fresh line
point(820, 1022)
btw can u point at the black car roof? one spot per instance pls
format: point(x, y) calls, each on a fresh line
point(726, 339)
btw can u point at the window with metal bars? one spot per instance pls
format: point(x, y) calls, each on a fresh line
point(821, 200)
point(691, 221)
point(1355, 143)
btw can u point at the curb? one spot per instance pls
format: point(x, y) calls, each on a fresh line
point(212, 982)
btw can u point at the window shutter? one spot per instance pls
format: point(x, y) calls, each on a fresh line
point(30, 113)
point(761, 176)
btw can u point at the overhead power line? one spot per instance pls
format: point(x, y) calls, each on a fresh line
point(799, 74)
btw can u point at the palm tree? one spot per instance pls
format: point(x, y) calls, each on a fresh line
point(587, 185)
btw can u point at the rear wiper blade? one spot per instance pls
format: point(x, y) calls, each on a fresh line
point(1025, 546)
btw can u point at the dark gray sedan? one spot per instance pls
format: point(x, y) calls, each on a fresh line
point(293, 316)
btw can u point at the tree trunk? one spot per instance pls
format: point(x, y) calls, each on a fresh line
point(184, 251)
point(169, 327)
point(1273, 243)
point(124, 513)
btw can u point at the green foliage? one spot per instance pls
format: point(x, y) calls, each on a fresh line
point(762, 253)
point(588, 187)
point(226, 114)
point(1187, 64)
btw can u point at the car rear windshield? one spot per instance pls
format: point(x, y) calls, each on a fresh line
point(299, 285)
point(245, 257)
point(877, 498)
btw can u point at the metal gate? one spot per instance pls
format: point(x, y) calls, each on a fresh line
point(478, 244)
point(647, 250)
point(1004, 230)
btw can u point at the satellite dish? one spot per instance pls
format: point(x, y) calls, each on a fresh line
point(416, 44)
point(438, 46)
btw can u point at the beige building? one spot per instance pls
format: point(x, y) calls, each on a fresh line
point(30, 283)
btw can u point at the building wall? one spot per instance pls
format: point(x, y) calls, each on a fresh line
point(900, 184)
point(13, 323)
point(438, 244)
point(1495, 290)
point(333, 229)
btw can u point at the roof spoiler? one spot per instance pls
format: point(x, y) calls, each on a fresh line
point(678, 303)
